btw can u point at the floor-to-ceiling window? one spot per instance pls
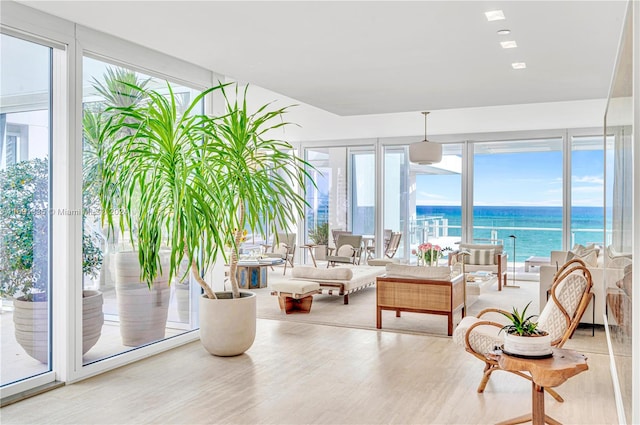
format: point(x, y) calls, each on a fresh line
point(109, 256)
point(517, 195)
point(344, 190)
point(587, 191)
point(438, 200)
point(25, 176)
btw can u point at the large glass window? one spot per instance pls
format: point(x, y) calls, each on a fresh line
point(119, 311)
point(587, 191)
point(343, 198)
point(25, 139)
point(517, 195)
point(438, 200)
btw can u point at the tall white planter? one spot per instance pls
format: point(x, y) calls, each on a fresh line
point(228, 325)
point(142, 312)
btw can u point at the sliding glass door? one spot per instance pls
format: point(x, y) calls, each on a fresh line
point(123, 313)
point(25, 180)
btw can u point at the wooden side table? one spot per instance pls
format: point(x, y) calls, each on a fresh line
point(311, 247)
point(549, 372)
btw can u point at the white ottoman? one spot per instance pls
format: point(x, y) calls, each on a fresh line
point(295, 296)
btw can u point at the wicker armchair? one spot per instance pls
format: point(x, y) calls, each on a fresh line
point(570, 295)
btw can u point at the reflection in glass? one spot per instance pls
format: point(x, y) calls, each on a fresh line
point(25, 96)
point(124, 312)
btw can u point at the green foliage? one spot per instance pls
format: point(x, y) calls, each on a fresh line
point(24, 227)
point(320, 235)
point(257, 173)
point(91, 254)
point(520, 324)
point(189, 182)
point(158, 179)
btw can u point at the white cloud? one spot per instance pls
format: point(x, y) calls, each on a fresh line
point(587, 179)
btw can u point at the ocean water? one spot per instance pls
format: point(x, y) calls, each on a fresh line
point(537, 230)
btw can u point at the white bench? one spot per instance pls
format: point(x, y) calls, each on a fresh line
point(295, 296)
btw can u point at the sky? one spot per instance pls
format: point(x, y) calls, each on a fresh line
point(520, 179)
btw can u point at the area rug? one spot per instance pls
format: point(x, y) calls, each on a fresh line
point(361, 310)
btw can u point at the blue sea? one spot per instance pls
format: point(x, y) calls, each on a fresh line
point(537, 230)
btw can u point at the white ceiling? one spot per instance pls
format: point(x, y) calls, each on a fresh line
point(371, 57)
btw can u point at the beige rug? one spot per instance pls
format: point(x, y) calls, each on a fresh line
point(360, 313)
point(361, 310)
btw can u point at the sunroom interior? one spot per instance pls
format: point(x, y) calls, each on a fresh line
point(533, 171)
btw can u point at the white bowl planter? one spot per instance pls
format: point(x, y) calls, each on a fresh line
point(142, 312)
point(228, 325)
point(31, 322)
point(528, 346)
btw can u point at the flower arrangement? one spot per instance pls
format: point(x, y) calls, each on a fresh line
point(428, 254)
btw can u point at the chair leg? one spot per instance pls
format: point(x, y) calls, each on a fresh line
point(488, 370)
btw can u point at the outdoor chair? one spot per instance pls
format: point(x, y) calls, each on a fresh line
point(337, 233)
point(389, 252)
point(348, 249)
point(284, 247)
point(569, 297)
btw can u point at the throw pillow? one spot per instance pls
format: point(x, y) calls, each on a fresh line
point(481, 257)
point(590, 258)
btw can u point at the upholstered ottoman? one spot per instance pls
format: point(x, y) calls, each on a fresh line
point(295, 296)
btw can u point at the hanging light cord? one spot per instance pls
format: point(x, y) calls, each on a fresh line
point(425, 125)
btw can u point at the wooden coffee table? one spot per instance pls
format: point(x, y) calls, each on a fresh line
point(549, 372)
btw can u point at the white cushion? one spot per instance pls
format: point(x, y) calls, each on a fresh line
point(482, 339)
point(568, 292)
point(345, 251)
point(590, 257)
point(338, 273)
point(295, 286)
point(417, 272)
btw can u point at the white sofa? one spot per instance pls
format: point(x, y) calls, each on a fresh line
point(602, 277)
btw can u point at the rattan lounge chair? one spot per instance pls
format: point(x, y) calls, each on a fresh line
point(570, 295)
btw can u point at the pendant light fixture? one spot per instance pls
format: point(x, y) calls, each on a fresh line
point(425, 152)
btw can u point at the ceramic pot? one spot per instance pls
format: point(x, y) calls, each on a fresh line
point(228, 325)
point(528, 346)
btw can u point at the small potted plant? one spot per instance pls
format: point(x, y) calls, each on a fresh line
point(320, 237)
point(522, 336)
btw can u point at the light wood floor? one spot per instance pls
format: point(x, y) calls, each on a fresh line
point(298, 373)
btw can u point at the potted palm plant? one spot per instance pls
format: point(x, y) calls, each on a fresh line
point(320, 237)
point(522, 336)
point(257, 178)
point(192, 183)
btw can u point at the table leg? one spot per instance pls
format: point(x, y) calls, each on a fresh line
point(537, 403)
point(537, 415)
point(313, 257)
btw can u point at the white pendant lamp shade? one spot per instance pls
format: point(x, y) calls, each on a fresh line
point(425, 152)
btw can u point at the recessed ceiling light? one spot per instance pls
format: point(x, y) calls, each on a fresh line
point(504, 32)
point(494, 15)
point(518, 65)
point(508, 44)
